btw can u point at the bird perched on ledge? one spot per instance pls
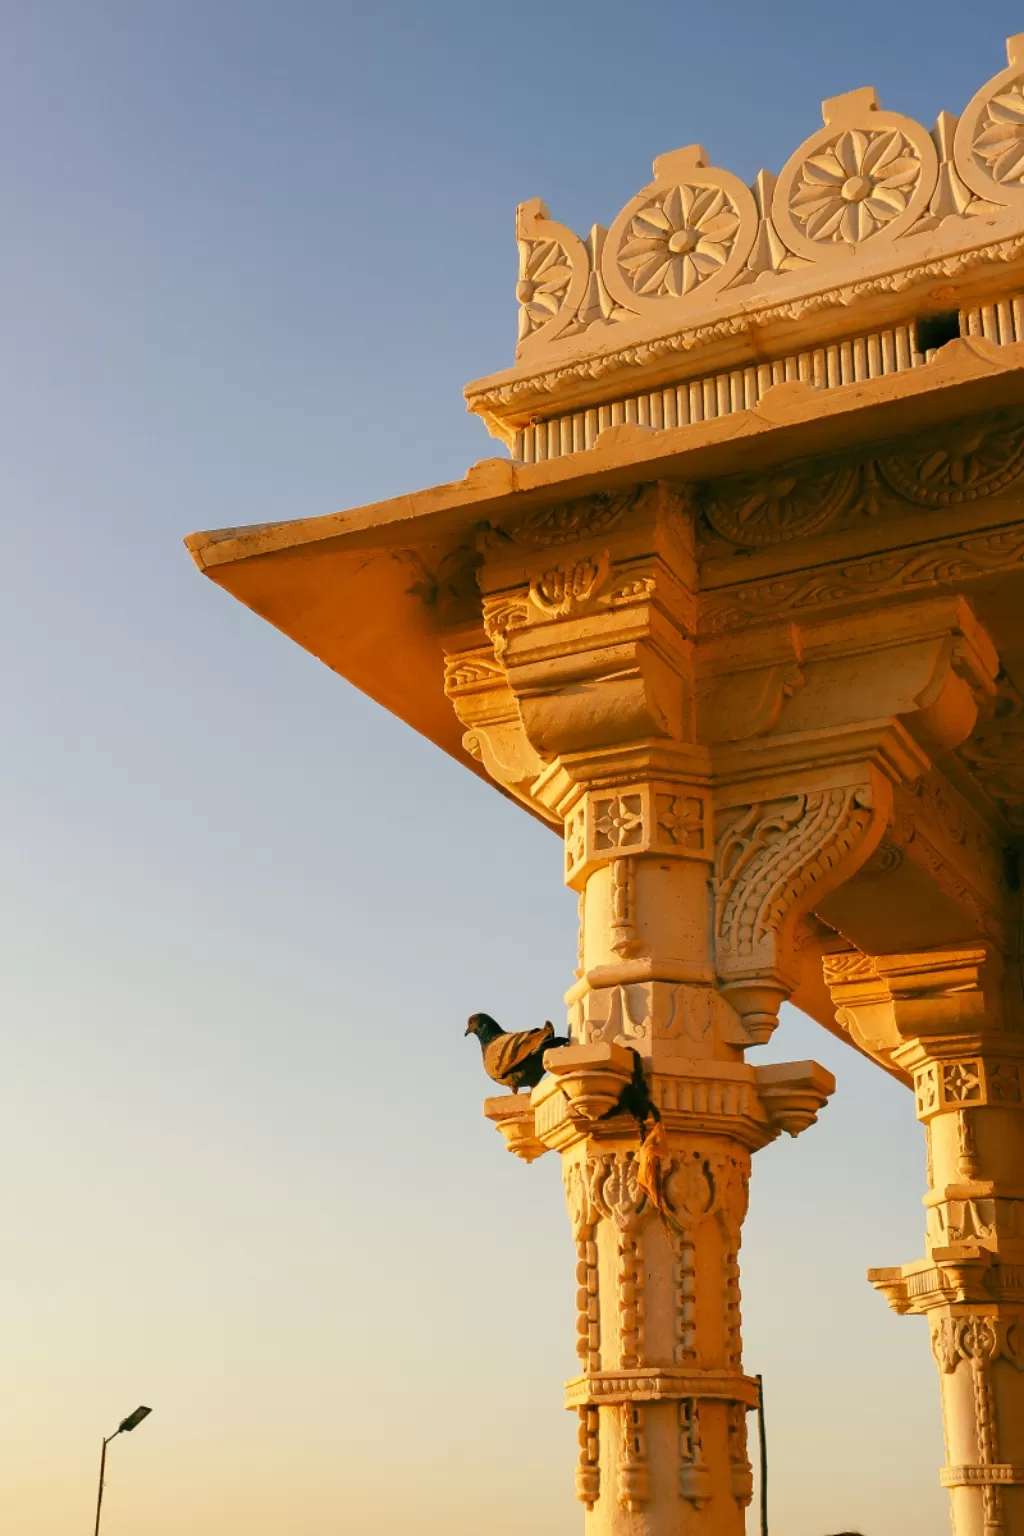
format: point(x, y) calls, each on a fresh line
point(513, 1059)
point(635, 1098)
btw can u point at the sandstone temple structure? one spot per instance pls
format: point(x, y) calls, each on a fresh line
point(740, 616)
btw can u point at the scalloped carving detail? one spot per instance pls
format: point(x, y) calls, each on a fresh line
point(988, 148)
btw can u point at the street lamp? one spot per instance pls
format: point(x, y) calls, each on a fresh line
point(125, 1427)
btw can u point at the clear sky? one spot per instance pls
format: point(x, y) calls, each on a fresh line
point(251, 252)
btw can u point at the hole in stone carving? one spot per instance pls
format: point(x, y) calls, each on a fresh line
point(935, 330)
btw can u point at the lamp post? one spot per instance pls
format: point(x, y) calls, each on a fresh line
point(125, 1427)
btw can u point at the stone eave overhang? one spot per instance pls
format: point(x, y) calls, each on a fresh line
point(353, 588)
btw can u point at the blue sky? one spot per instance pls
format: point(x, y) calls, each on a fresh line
point(251, 254)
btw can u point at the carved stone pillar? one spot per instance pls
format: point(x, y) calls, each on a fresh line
point(580, 698)
point(953, 1023)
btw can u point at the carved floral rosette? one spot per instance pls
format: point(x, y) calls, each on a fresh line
point(690, 230)
point(650, 817)
point(866, 176)
point(988, 149)
point(553, 272)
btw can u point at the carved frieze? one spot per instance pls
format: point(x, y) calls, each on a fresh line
point(966, 462)
point(568, 522)
point(936, 563)
point(770, 508)
point(858, 184)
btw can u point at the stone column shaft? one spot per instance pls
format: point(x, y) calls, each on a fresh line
point(955, 1034)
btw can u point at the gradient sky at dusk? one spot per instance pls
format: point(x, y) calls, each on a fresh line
point(251, 252)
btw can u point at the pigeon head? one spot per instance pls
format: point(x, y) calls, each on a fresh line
point(483, 1026)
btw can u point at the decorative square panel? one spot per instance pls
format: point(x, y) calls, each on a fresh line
point(654, 818)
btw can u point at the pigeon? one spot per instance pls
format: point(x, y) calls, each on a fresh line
point(635, 1099)
point(515, 1060)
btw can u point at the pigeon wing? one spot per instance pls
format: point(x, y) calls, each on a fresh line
point(509, 1051)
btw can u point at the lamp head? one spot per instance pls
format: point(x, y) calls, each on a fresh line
point(133, 1420)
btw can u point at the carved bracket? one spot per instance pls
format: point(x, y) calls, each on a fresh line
point(773, 860)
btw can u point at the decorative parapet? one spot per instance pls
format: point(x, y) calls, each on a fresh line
point(704, 292)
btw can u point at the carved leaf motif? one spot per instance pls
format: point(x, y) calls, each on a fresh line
point(568, 590)
point(545, 272)
point(960, 1082)
point(769, 509)
point(945, 1344)
point(501, 615)
point(578, 1199)
point(681, 820)
point(999, 143)
point(690, 1189)
point(979, 1340)
point(678, 239)
point(618, 822)
point(855, 186)
point(614, 1188)
point(1004, 1082)
point(572, 520)
point(972, 460)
